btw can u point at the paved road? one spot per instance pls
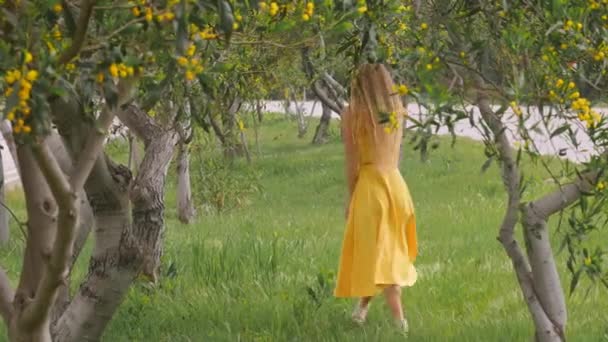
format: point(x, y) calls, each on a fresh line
point(557, 146)
point(545, 146)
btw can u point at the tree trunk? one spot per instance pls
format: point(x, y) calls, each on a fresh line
point(547, 284)
point(7, 133)
point(321, 133)
point(148, 191)
point(41, 225)
point(85, 221)
point(258, 110)
point(185, 206)
point(232, 146)
point(4, 226)
point(115, 260)
point(134, 153)
point(300, 119)
point(546, 330)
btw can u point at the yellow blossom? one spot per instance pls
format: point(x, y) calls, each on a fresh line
point(191, 50)
point(57, 8)
point(32, 75)
point(28, 57)
point(401, 89)
point(274, 9)
point(136, 12)
point(424, 26)
point(362, 9)
point(149, 16)
point(189, 75)
point(114, 70)
point(181, 60)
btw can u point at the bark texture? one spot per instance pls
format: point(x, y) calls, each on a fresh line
point(4, 226)
point(322, 131)
point(537, 275)
point(185, 206)
point(148, 190)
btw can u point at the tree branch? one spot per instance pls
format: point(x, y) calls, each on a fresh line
point(140, 123)
point(86, 9)
point(511, 177)
point(57, 268)
point(562, 198)
point(92, 147)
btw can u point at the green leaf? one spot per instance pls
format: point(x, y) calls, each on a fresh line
point(486, 165)
point(574, 282)
point(343, 27)
point(559, 131)
point(284, 25)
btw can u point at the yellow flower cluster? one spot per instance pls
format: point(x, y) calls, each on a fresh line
point(403, 9)
point(192, 66)
point(594, 4)
point(57, 8)
point(570, 25)
point(393, 123)
point(601, 185)
point(273, 10)
point(24, 83)
point(362, 6)
point(206, 33)
point(165, 17)
point(567, 92)
point(121, 70)
point(516, 109)
point(238, 18)
point(308, 11)
point(401, 89)
point(241, 125)
point(585, 113)
point(600, 53)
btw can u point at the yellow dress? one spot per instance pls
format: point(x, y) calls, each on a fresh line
point(379, 245)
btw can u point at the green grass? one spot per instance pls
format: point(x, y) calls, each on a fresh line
point(263, 272)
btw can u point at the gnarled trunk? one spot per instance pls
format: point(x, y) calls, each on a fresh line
point(148, 190)
point(528, 269)
point(321, 133)
point(4, 227)
point(115, 260)
point(185, 206)
point(232, 146)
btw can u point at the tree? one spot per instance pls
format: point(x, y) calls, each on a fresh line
point(460, 59)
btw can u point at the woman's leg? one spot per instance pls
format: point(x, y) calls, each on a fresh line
point(360, 313)
point(393, 299)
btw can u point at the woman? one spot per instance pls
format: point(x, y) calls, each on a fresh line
point(379, 245)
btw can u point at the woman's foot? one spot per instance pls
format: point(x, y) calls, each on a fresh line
point(360, 313)
point(403, 326)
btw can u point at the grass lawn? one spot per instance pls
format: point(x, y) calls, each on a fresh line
point(264, 271)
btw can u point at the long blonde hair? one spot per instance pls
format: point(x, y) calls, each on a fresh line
point(373, 93)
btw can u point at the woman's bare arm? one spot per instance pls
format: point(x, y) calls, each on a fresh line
point(351, 157)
